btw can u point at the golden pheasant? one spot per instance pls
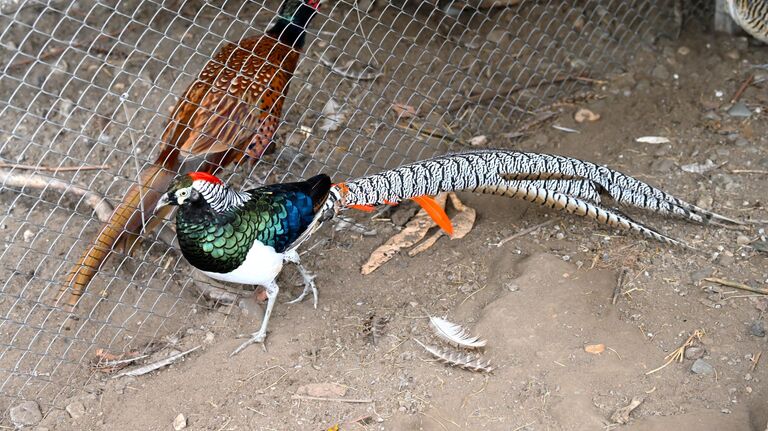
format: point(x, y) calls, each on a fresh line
point(230, 111)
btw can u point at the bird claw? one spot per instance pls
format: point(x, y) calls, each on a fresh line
point(256, 337)
point(308, 287)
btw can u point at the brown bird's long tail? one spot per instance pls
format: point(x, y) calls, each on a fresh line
point(134, 215)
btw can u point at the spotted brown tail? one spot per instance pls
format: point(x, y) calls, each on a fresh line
point(555, 181)
point(134, 212)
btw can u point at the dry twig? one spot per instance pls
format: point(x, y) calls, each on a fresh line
point(525, 232)
point(336, 400)
point(736, 285)
point(155, 365)
point(747, 82)
point(679, 353)
point(53, 168)
point(99, 203)
point(619, 285)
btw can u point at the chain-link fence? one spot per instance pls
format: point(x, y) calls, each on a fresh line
point(87, 87)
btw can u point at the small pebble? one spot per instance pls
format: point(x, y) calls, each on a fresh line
point(739, 109)
point(209, 337)
point(702, 367)
point(694, 353)
point(180, 422)
point(683, 50)
point(660, 72)
point(76, 410)
point(478, 141)
point(757, 329)
point(28, 235)
point(513, 287)
point(26, 413)
point(748, 377)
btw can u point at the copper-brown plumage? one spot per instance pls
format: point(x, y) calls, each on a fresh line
point(230, 111)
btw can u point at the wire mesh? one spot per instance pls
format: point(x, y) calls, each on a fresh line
point(87, 84)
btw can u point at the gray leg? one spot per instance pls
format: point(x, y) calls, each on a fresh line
point(309, 278)
point(258, 337)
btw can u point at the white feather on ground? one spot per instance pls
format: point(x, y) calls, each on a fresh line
point(455, 333)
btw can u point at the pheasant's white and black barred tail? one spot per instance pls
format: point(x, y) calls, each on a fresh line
point(556, 181)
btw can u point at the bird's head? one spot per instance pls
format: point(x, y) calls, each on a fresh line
point(192, 188)
point(299, 11)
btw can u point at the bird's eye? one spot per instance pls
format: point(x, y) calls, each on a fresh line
point(183, 193)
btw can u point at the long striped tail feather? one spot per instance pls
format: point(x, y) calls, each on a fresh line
point(559, 182)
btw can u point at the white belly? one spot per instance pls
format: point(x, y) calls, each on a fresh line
point(261, 267)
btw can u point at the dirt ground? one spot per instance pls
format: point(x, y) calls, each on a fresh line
point(538, 299)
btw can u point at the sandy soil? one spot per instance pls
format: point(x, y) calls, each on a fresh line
point(538, 299)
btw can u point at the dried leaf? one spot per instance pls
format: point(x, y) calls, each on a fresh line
point(462, 223)
point(464, 220)
point(322, 390)
point(455, 333)
point(426, 244)
point(458, 359)
point(414, 231)
point(653, 140)
point(404, 111)
point(585, 114)
point(595, 349)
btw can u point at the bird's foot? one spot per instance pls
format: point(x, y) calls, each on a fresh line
point(256, 337)
point(309, 286)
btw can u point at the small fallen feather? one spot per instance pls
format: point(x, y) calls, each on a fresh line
point(333, 115)
point(455, 333)
point(621, 416)
point(154, 366)
point(478, 141)
point(374, 327)
point(404, 111)
point(585, 114)
point(320, 390)
point(564, 129)
point(595, 349)
point(653, 140)
point(700, 168)
point(467, 361)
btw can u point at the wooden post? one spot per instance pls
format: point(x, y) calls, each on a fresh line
point(723, 21)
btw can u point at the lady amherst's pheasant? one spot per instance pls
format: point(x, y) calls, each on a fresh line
point(245, 237)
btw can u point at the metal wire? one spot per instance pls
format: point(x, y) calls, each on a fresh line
point(92, 83)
